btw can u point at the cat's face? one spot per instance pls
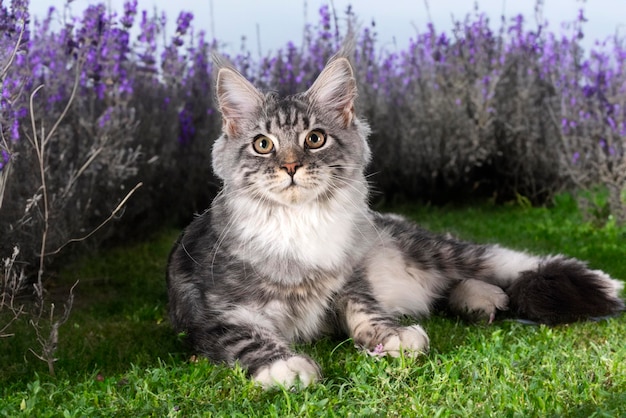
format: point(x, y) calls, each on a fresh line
point(295, 149)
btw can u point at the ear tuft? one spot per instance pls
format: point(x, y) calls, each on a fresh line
point(237, 99)
point(335, 89)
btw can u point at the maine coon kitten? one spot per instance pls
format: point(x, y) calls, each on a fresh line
point(289, 249)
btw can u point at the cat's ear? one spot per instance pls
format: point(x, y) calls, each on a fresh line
point(237, 99)
point(335, 90)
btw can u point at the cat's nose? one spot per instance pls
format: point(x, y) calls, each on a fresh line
point(291, 167)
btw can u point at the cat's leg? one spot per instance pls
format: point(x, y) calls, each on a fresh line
point(262, 352)
point(550, 289)
point(374, 329)
point(405, 287)
point(231, 334)
point(228, 329)
point(480, 295)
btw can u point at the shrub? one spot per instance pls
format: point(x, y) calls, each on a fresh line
point(592, 118)
point(133, 116)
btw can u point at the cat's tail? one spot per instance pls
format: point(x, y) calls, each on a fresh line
point(562, 290)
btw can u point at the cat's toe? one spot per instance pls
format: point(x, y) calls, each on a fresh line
point(409, 341)
point(295, 371)
point(478, 300)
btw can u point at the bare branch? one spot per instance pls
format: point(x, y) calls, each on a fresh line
point(5, 70)
point(93, 231)
point(82, 169)
point(69, 102)
point(40, 150)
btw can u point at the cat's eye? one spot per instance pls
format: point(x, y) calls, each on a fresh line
point(315, 139)
point(262, 144)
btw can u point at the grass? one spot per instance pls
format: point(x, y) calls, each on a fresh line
point(119, 357)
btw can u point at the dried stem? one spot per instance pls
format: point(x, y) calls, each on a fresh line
point(50, 342)
point(93, 231)
point(40, 149)
point(11, 285)
point(39, 141)
point(13, 53)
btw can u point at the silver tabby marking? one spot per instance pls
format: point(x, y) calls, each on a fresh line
point(289, 249)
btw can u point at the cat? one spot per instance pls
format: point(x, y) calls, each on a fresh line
point(290, 250)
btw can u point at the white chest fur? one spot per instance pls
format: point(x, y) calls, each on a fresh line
point(314, 236)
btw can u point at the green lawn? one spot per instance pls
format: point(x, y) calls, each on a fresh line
point(118, 356)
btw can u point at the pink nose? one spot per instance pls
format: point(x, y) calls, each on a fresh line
point(291, 167)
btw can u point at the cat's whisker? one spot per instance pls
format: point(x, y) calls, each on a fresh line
point(182, 244)
point(350, 182)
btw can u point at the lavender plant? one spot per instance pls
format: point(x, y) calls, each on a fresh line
point(108, 138)
point(591, 116)
point(43, 177)
point(13, 23)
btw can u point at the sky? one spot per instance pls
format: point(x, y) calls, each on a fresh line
point(270, 24)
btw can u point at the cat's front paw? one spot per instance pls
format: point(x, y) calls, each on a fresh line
point(290, 372)
point(407, 341)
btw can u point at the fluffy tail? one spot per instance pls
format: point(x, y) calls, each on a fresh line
point(562, 290)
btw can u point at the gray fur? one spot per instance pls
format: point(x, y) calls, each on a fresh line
point(289, 249)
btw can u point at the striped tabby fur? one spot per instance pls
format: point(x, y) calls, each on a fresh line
point(289, 249)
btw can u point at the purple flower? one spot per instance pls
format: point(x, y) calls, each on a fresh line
point(15, 130)
point(130, 10)
point(324, 13)
point(183, 22)
point(186, 129)
point(378, 351)
point(611, 122)
point(4, 158)
point(105, 118)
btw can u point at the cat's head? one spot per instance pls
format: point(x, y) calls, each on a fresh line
point(295, 149)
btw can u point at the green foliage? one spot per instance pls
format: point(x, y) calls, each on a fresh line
point(119, 357)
